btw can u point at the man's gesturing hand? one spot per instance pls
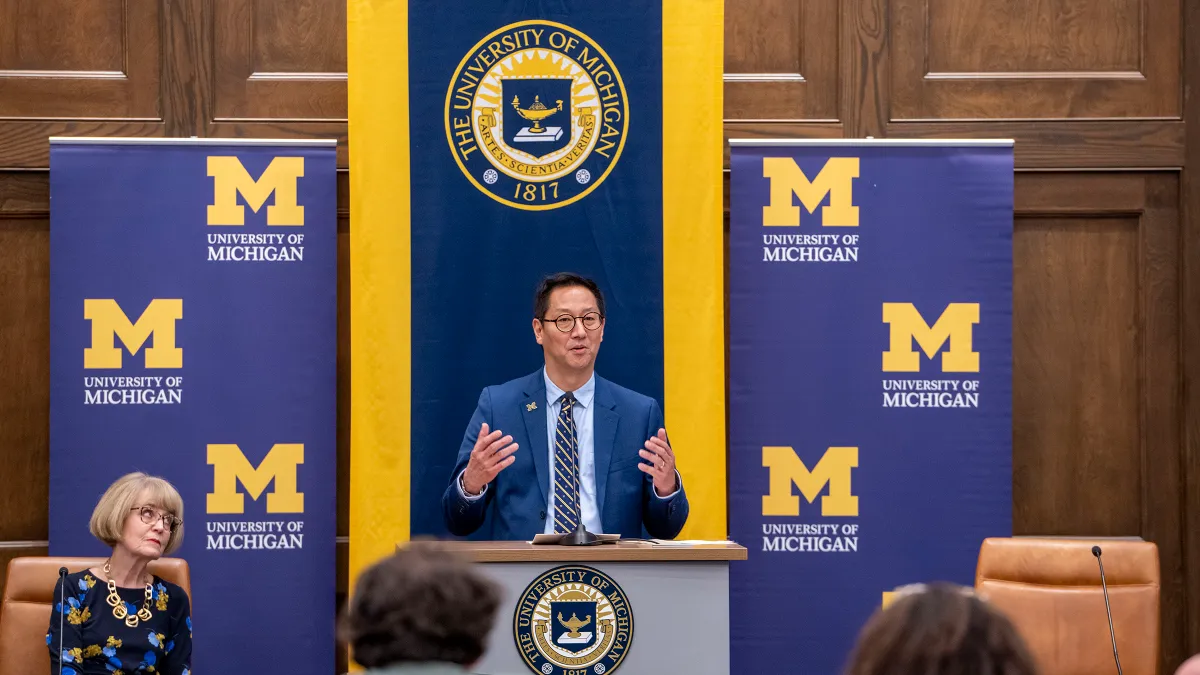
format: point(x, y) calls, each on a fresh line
point(491, 455)
point(661, 468)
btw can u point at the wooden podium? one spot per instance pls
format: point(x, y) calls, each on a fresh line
point(585, 610)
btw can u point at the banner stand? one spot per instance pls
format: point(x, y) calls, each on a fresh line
point(870, 380)
point(194, 337)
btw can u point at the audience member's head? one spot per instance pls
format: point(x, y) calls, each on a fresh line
point(140, 514)
point(939, 629)
point(421, 604)
point(1190, 667)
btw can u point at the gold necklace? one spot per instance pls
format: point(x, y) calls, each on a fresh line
point(118, 604)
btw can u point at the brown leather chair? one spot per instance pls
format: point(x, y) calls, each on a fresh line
point(1050, 588)
point(28, 597)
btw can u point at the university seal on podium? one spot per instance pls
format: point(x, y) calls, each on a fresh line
point(536, 115)
point(573, 620)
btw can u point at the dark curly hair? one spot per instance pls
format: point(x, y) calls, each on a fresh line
point(941, 629)
point(423, 603)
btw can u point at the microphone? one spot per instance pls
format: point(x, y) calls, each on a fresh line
point(1104, 584)
point(62, 612)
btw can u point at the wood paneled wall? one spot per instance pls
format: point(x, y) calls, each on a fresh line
point(1106, 339)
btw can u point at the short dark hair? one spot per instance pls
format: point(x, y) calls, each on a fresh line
point(541, 299)
point(941, 629)
point(422, 603)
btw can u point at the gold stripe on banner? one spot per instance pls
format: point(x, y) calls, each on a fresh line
point(693, 262)
point(380, 270)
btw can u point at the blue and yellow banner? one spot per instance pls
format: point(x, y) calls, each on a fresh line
point(492, 144)
point(870, 329)
point(193, 336)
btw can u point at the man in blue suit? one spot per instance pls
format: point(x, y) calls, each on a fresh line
point(595, 452)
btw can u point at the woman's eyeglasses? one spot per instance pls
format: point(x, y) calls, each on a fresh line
point(149, 514)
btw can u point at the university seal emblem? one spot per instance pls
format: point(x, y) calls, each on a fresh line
point(573, 620)
point(536, 115)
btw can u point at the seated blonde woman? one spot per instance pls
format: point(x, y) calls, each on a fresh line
point(118, 617)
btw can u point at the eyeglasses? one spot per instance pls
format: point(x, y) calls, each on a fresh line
point(566, 322)
point(149, 514)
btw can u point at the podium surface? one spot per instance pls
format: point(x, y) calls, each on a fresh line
point(621, 551)
point(628, 607)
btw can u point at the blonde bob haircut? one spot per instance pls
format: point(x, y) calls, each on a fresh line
point(119, 500)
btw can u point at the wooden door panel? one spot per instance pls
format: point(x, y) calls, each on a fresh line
point(1035, 59)
point(1097, 380)
point(280, 59)
point(69, 59)
point(781, 60)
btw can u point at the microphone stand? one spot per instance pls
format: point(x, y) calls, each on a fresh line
point(62, 611)
point(1111, 632)
point(580, 537)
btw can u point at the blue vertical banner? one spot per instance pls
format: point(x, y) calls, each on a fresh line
point(193, 337)
point(526, 183)
point(870, 381)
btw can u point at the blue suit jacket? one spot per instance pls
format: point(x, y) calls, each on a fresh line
point(624, 420)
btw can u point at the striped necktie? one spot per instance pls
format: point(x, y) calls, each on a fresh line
point(566, 469)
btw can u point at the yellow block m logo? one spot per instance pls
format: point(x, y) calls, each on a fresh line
point(835, 179)
point(230, 466)
point(956, 324)
point(833, 469)
point(230, 178)
point(109, 323)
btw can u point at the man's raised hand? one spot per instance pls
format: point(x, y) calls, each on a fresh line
point(491, 455)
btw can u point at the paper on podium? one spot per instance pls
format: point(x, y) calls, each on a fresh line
point(690, 542)
point(555, 538)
